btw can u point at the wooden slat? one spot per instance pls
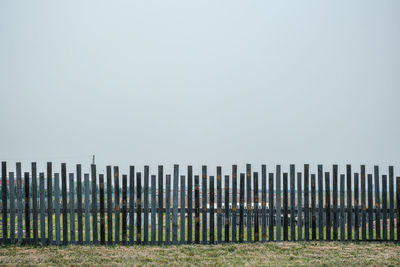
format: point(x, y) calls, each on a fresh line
point(256, 201)
point(146, 206)
point(182, 210)
point(328, 205)
point(271, 207)
point(370, 209)
point(398, 206)
point(363, 205)
point(102, 219)
point(384, 207)
point(12, 207)
point(124, 208)
point(292, 203)
point(168, 209)
point(226, 212)
point(219, 205)
point(299, 207)
point(4, 200)
point(342, 209)
point(234, 203)
point(248, 203)
point(34, 203)
point(356, 207)
point(94, 204)
point(212, 201)
point(204, 203)
point(278, 203)
point(49, 192)
point(79, 202)
point(117, 205)
point(109, 207)
point(138, 208)
point(263, 203)
point(160, 204)
point(131, 206)
point(64, 203)
point(335, 202)
point(306, 203)
point(175, 205)
point(241, 208)
point(153, 209)
point(377, 204)
point(313, 209)
point(27, 210)
point(19, 202)
point(87, 208)
point(285, 207)
point(42, 210)
point(57, 207)
point(349, 204)
point(190, 204)
point(391, 203)
point(320, 204)
point(72, 208)
point(197, 209)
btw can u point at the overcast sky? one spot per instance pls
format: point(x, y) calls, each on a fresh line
point(200, 82)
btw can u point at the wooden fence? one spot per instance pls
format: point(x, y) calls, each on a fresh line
point(289, 206)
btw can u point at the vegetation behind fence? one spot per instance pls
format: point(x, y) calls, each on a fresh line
point(180, 209)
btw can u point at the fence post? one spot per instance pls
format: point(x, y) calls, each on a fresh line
point(12, 208)
point(248, 203)
point(313, 209)
point(146, 205)
point(356, 211)
point(197, 209)
point(335, 201)
point(87, 208)
point(285, 206)
point(50, 203)
point(131, 206)
point(342, 218)
point(34, 203)
point(19, 202)
point(160, 204)
point(204, 203)
point(124, 206)
point(292, 203)
point(72, 208)
point(102, 220)
point(384, 207)
point(363, 206)
point(320, 204)
point(256, 219)
point(175, 206)
point(57, 206)
point(116, 205)
point(64, 203)
point(109, 207)
point(299, 207)
point(94, 204)
point(79, 199)
point(391, 208)
point(182, 209)
point(167, 209)
point(219, 205)
point(4, 199)
point(27, 210)
point(377, 204)
point(328, 205)
point(271, 207)
point(306, 203)
point(349, 205)
point(234, 203)
point(370, 210)
point(241, 208)
point(190, 204)
point(264, 202)
point(139, 208)
point(42, 210)
point(398, 206)
point(226, 194)
point(212, 230)
point(153, 209)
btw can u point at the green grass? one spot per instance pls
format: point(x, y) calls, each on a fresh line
point(261, 254)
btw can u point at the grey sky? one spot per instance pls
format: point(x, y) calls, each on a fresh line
point(200, 82)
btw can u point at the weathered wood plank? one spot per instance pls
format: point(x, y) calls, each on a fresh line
point(292, 203)
point(79, 202)
point(124, 208)
point(131, 206)
point(271, 207)
point(248, 203)
point(64, 203)
point(391, 203)
point(34, 204)
point(87, 208)
point(256, 200)
point(335, 201)
point(117, 206)
point(377, 204)
point(109, 207)
point(349, 204)
point(356, 207)
point(313, 209)
point(263, 203)
point(398, 206)
point(363, 205)
point(19, 202)
point(299, 207)
point(12, 207)
point(212, 230)
point(234, 203)
point(153, 209)
point(72, 208)
point(204, 203)
point(197, 209)
point(384, 207)
point(175, 205)
point(168, 209)
point(328, 205)
point(219, 205)
point(102, 219)
point(57, 207)
point(27, 210)
point(146, 206)
point(4, 200)
point(241, 210)
point(342, 209)
point(226, 213)
point(285, 207)
point(94, 205)
point(278, 203)
point(160, 204)
point(306, 203)
point(370, 209)
point(320, 204)
point(50, 203)
point(138, 208)
point(190, 204)
point(42, 210)
point(182, 210)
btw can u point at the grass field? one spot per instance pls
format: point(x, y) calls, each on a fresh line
point(273, 254)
